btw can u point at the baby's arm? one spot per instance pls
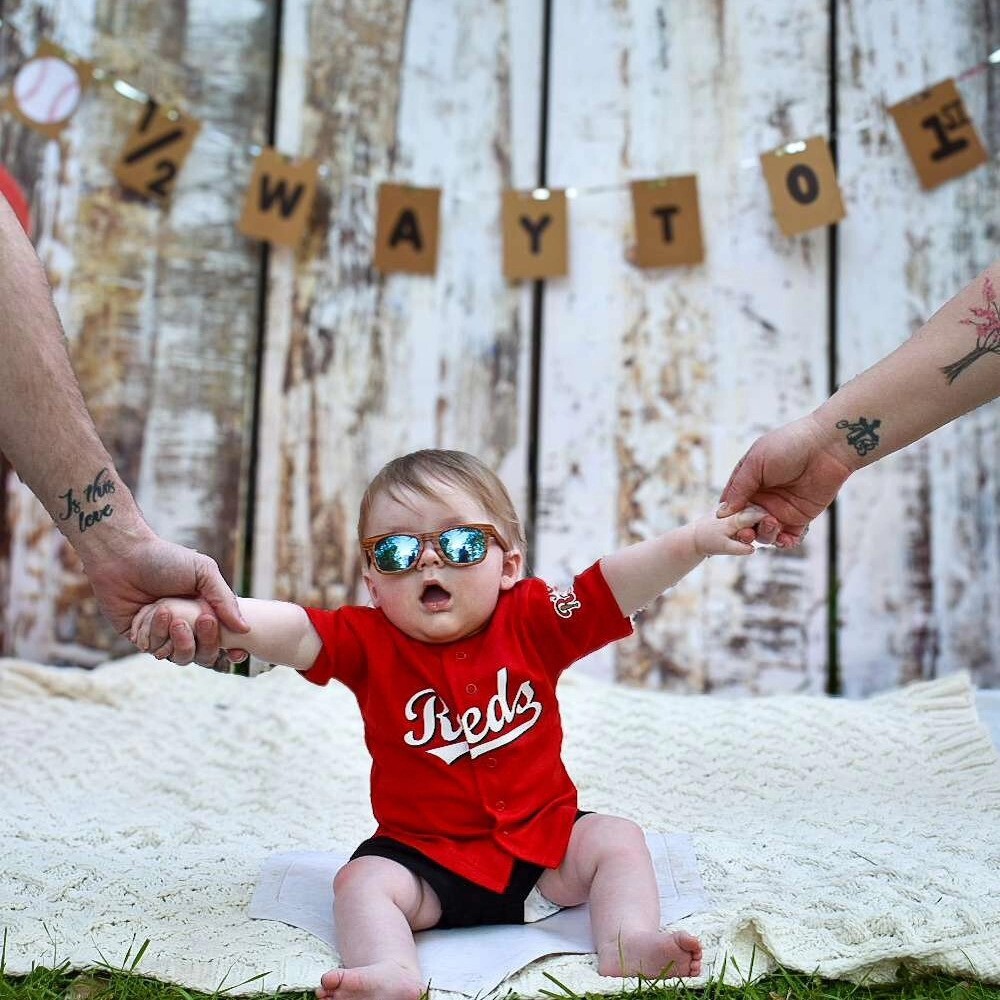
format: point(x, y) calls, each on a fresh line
point(279, 632)
point(643, 571)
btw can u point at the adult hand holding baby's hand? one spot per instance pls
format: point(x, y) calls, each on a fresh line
point(793, 473)
point(153, 625)
point(716, 536)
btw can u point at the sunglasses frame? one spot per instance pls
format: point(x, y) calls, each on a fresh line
point(434, 537)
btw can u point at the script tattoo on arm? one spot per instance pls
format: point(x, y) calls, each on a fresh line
point(94, 494)
point(861, 434)
point(986, 320)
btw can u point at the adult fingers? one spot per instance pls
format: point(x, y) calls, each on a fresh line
point(788, 538)
point(768, 530)
point(163, 651)
point(182, 639)
point(156, 629)
point(206, 636)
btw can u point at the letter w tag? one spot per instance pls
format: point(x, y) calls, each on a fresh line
point(279, 199)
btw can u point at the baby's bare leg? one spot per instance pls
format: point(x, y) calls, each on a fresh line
point(607, 862)
point(378, 905)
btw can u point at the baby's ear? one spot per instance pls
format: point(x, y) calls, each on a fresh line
point(372, 588)
point(513, 568)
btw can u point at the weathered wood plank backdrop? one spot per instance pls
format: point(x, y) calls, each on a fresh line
point(655, 382)
point(159, 307)
point(360, 367)
point(919, 552)
point(651, 383)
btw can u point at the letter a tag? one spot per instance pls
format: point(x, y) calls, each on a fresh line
point(406, 237)
point(279, 199)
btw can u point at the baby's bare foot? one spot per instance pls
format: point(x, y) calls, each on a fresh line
point(653, 954)
point(381, 981)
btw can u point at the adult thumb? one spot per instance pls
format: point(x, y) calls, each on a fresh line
point(741, 486)
point(213, 589)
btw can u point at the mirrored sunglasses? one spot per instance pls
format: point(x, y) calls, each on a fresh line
point(462, 545)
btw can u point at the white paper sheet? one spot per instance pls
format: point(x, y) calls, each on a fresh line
point(297, 888)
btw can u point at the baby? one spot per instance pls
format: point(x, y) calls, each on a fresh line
point(454, 666)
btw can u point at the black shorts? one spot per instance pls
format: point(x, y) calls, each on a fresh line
point(463, 903)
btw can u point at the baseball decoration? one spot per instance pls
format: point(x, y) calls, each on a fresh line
point(47, 89)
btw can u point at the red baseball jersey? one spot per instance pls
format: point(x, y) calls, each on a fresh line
point(465, 737)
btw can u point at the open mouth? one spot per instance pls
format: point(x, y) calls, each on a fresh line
point(435, 597)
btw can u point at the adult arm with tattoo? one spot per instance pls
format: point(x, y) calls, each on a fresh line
point(949, 366)
point(47, 434)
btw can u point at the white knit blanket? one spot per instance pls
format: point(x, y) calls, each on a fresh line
point(137, 802)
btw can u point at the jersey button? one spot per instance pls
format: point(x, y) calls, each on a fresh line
point(501, 805)
point(491, 762)
point(461, 656)
point(471, 689)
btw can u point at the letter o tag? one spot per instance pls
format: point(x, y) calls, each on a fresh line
point(803, 184)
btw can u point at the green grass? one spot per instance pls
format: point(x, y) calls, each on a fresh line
point(124, 982)
point(109, 983)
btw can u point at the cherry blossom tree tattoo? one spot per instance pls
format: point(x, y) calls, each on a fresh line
point(986, 320)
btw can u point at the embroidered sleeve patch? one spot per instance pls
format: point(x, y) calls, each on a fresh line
point(564, 602)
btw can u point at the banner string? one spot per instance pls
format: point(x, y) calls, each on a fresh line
point(212, 132)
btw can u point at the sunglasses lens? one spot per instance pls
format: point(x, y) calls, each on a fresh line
point(464, 546)
point(396, 553)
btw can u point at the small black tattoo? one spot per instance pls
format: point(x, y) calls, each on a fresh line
point(93, 493)
point(861, 436)
point(986, 320)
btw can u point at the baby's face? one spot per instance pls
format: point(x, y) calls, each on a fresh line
point(436, 602)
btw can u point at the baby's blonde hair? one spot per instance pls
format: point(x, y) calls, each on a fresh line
point(420, 471)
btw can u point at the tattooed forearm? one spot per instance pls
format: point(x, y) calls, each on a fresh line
point(986, 320)
point(94, 495)
point(861, 434)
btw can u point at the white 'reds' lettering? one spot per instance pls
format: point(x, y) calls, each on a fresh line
point(430, 718)
point(432, 710)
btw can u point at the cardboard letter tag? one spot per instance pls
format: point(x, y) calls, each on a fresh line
point(667, 222)
point(279, 199)
point(939, 135)
point(535, 235)
point(406, 237)
point(803, 185)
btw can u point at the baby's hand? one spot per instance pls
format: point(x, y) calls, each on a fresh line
point(165, 614)
point(716, 536)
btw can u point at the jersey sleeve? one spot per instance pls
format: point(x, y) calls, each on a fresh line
point(565, 625)
point(342, 655)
